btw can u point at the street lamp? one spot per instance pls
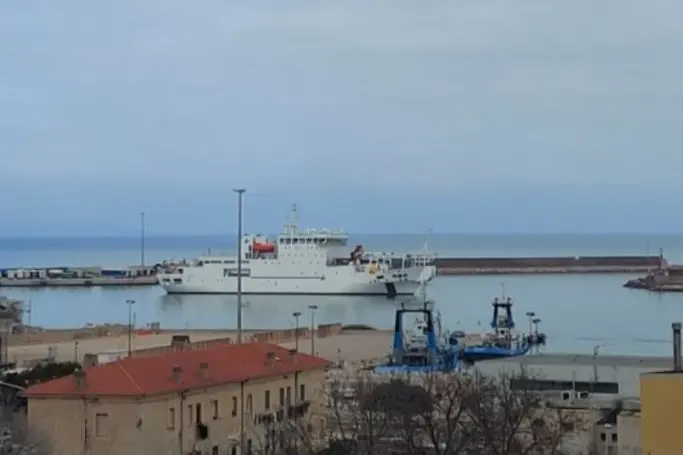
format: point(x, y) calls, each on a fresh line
point(530, 315)
point(240, 193)
point(536, 321)
point(296, 315)
point(130, 326)
point(312, 308)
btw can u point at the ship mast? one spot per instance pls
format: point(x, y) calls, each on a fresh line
point(292, 222)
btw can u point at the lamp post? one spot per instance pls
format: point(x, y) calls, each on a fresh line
point(142, 240)
point(130, 304)
point(530, 315)
point(296, 315)
point(536, 321)
point(240, 194)
point(312, 308)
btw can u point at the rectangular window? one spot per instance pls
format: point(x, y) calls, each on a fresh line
point(302, 392)
point(214, 409)
point(171, 418)
point(234, 406)
point(101, 425)
point(282, 396)
point(267, 400)
point(190, 415)
point(199, 413)
point(289, 396)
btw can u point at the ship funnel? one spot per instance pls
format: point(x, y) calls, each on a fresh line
point(676, 327)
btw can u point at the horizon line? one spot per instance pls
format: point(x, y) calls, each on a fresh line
point(421, 234)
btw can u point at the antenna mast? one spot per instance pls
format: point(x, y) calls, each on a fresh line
point(292, 220)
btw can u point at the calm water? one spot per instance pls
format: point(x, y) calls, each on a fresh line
point(577, 312)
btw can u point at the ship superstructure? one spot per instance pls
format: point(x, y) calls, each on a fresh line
point(301, 261)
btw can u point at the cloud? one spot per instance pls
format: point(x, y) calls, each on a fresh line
point(445, 96)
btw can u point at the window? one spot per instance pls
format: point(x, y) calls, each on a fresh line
point(302, 392)
point(190, 415)
point(198, 417)
point(233, 450)
point(214, 409)
point(289, 396)
point(101, 425)
point(234, 406)
point(266, 399)
point(249, 446)
point(214, 450)
point(249, 404)
point(282, 396)
point(614, 437)
point(171, 418)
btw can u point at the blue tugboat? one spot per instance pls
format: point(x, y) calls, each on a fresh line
point(418, 350)
point(503, 341)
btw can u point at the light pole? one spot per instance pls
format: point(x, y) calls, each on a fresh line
point(296, 315)
point(312, 308)
point(130, 304)
point(536, 321)
point(142, 240)
point(240, 193)
point(530, 315)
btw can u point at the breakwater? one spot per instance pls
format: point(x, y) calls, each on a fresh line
point(78, 276)
point(661, 279)
point(548, 265)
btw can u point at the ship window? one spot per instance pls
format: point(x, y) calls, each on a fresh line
point(295, 240)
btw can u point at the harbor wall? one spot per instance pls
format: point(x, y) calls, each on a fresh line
point(540, 265)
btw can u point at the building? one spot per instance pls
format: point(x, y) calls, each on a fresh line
point(661, 401)
point(188, 401)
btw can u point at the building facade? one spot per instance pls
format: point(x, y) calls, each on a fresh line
point(661, 401)
point(197, 401)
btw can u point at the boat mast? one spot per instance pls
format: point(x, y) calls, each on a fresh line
point(292, 222)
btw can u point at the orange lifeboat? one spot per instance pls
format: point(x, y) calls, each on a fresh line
point(263, 248)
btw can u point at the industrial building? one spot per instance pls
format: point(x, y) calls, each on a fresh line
point(224, 399)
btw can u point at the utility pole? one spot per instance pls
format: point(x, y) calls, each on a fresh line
point(240, 194)
point(296, 315)
point(313, 308)
point(130, 304)
point(142, 239)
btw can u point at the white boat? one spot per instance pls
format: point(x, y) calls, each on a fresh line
point(310, 262)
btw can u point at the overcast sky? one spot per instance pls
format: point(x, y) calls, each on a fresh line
point(503, 116)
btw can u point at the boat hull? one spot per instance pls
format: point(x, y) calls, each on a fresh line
point(294, 287)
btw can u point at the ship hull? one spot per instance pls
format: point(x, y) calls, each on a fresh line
point(296, 287)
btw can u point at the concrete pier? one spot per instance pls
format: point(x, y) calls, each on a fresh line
point(77, 282)
point(547, 265)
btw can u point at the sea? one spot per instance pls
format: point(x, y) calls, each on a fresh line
point(579, 313)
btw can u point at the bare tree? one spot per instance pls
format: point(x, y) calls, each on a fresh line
point(15, 437)
point(427, 414)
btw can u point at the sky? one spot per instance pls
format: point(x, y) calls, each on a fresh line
point(382, 116)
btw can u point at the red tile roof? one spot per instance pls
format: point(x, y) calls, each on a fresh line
point(140, 376)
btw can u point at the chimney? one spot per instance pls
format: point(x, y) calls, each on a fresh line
point(90, 360)
point(79, 379)
point(270, 358)
point(676, 326)
point(293, 353)
point(175, 373)
point(203, 370)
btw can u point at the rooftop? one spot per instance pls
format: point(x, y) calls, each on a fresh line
point(181, 370)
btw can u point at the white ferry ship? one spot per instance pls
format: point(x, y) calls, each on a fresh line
point(311, 262)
